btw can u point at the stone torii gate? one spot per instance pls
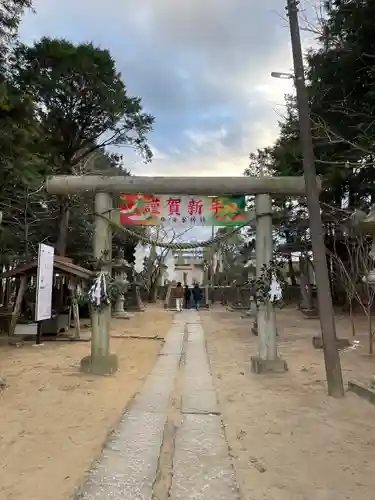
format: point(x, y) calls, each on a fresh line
point(101, 361)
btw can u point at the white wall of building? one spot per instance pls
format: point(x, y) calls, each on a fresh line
point(189, 273)
point(189, 269)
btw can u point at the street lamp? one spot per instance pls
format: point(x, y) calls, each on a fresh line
point(326, 313)
point(282, 76)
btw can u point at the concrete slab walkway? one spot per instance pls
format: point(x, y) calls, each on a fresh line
point(170, 443)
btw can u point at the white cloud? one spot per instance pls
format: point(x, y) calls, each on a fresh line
point(206, 138)
point(212, 158)
point(207, 153)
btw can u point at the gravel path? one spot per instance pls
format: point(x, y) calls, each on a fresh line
point(170, 442)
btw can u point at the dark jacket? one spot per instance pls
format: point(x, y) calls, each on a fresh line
point(178, 292)
point(187, 293)
point(197, 293)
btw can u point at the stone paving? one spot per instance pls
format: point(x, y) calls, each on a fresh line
point(201, 469)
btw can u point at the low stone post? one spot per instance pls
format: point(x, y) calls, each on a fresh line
point(267, 359)
point(100, 361)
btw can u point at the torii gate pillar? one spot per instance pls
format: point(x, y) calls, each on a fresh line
point(267, 359)
point(100, 361)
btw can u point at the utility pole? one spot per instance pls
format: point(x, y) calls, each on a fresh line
point(326, 313)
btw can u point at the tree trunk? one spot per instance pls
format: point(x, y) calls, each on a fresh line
point(2, 293)
point(7, 291)
point(351, 316)
point(152, 295)
point(292, 273)
point(370, 345)
point(154, 285)
point(26, 224)
point(63, 227)
point(305, 286)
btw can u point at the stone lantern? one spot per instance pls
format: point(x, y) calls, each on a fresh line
point(120, 267)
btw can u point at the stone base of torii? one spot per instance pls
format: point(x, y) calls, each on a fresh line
point(101, 361)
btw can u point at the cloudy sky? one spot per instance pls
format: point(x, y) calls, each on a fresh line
point(202, 68)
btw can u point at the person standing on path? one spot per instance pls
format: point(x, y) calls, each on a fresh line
point(197, 296)
point(187, 296)
point(179, 295)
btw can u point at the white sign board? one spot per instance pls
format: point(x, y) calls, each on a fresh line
point(43, 307)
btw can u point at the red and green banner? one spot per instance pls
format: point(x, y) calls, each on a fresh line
point(155, 210)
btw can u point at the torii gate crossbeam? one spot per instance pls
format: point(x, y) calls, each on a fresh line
point(208, 186)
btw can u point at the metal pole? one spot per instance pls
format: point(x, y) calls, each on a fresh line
point(326, 313)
